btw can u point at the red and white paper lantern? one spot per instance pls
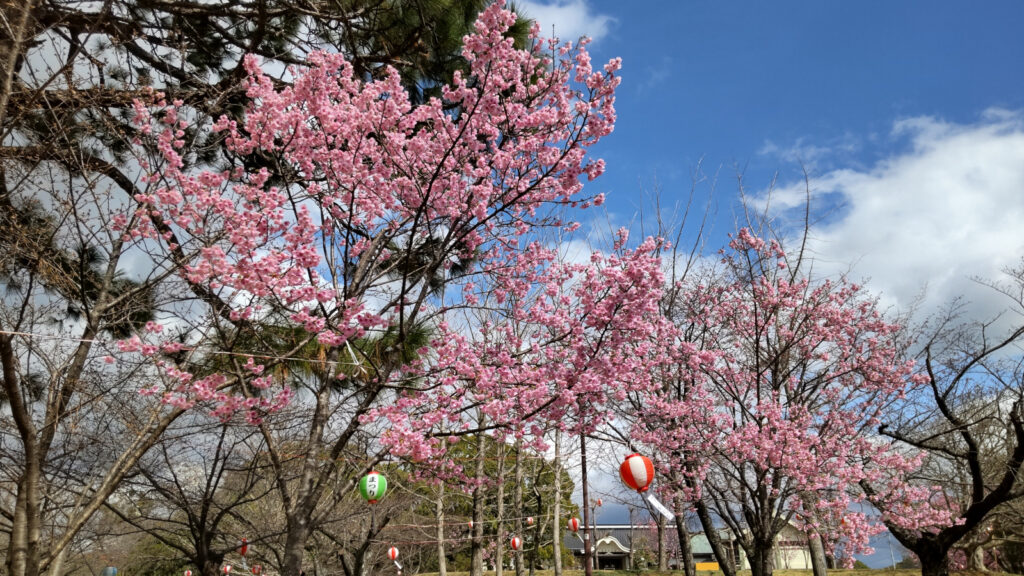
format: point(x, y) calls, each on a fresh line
point(637, 472)
point(243, 547)
point(516, 543)
point(227, 569)
point(188, 573)
point(574, 524)
point(393, 553)
point(257, 569)
point(529, 520)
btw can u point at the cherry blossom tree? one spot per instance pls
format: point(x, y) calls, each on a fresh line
point(68, 75)
point(562, 356)
point(370, 221)
point(774, 425)
point(666, 421)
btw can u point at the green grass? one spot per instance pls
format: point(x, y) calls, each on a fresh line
point(879, 572)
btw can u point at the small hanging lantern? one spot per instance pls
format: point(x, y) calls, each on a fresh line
point(393, 553)
point(257, 569)
point(516, 543)
point(227, 569)
point(373, 486)
point(243, 547)
point(188, 573)
point(470, 524)
point(599, 502)
point(529, 520)
point(574, 525)
point(637, 472)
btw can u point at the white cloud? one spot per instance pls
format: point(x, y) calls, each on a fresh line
point(943, 212)
point(571, 18)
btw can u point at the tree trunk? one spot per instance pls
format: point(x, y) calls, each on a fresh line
point(536, 529)
point(210, 566)
point(556, 531)
point(934, 562)
point(24, 541)
point(662, 545)
point(13, 49)
point(760, 557)
point(295, 546)
point(33, 513)
point(442, 561)
point(517, 494)
point(814, 543)
point(476, 554)
point(817, 551)
point(57, 564)
point(976, 558)
point(685, 549)
point(359, 553)
point(499, 544)
point(588, 568)
point(17, 546)
point(726, 563)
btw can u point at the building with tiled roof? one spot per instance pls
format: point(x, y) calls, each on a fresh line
point(620, 546)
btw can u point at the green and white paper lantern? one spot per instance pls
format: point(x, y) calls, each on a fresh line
point(373, 486)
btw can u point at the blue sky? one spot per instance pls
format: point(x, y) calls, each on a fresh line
point(908, 115)
point(725, 80)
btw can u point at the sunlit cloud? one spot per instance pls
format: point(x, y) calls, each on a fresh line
point(571, 18)
point(942, 212)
